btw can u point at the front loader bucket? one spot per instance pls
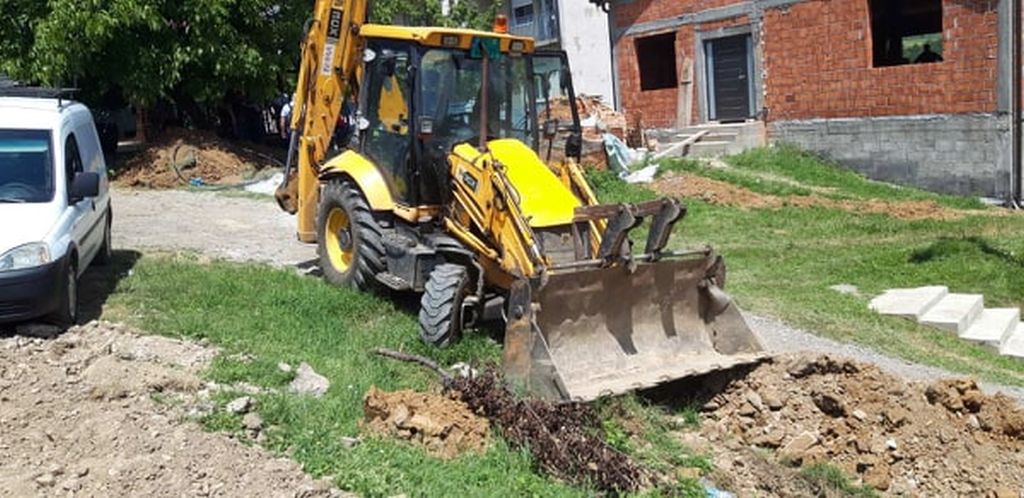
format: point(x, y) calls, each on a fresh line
point(607, 331)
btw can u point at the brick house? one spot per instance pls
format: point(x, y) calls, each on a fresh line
point(910, 91)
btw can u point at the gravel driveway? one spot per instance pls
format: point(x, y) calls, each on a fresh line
point(247, 229)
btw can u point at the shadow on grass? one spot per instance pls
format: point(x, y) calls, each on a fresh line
point(948, 246)
point(99, 282)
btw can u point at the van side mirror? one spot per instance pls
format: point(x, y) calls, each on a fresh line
point(86, 184)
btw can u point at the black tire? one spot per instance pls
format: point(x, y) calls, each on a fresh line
point(66, 313)
point(363, 233)
point(441, 306)
point(106, 254)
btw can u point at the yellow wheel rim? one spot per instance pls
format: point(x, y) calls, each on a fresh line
point(341, 247)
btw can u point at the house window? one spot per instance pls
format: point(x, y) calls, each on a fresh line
point(906, 31)
point(522, 15)
point(656, 56)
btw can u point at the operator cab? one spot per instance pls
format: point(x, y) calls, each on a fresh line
point(424, 93)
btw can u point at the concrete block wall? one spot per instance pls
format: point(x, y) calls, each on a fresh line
point(966, 154)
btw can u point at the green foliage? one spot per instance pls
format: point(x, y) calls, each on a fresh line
point(610, 188)
point(199, 51)
point(833, 482)
point(476, 14)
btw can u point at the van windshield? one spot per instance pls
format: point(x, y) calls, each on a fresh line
point(26, 166)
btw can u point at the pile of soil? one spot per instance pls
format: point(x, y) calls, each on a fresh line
point(727, 194)
point(445, 427)
point(80, 415)
point(564, 438)
point(179, 155)
point(942, 439)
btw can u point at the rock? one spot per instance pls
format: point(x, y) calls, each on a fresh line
point(350, 442)
point(463, 370)
point(1004, 492)
point(754, 399)
point(828, 404)
point(773, 401)
point(284, 367)
point(859, 415)
point(252, 421)
point(773, 439)
point(241, 405)
point(848, 289)
point(38, 330)
point(307, 381)
point(46, 480)
point(878, 477)
point(798, 447)
point(891, 444)
point(973, 423)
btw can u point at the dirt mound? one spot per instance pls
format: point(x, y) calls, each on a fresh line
point(180, 155)
point(444, 426)
point(80, 415)
point(727, 194)
point(942, 439)
point(563, 438)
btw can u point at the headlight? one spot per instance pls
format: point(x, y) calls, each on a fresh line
point(25, 256)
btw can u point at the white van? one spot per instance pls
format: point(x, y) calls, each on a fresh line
point(55, 208)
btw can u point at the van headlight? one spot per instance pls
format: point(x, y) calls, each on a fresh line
point(25, 256)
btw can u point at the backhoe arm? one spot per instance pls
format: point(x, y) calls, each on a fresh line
point(327, 75)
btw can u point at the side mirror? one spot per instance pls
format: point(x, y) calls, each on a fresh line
point(425, 127)
point(550, 128)
point(84, 186)
point(574, 146)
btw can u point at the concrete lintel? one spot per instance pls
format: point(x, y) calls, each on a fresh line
point(751, 8)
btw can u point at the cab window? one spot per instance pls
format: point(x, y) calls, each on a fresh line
point(385, 107)
point(72, 161)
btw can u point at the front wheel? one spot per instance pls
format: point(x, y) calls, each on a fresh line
point(67, 309)
point(348, 239)
point(441, 306)
point(106, 254)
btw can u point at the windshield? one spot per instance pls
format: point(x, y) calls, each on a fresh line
point(26, 166)
point(450, 96)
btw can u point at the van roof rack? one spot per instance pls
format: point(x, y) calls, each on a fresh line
point(10, 88)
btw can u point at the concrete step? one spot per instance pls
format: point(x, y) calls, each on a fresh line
point(954, 312)
point(1014, 345)
point(993, 326)
point(717, 127)
point(908, 303)
point(708, 149)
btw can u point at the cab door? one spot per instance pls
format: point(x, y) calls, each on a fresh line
point(555, 106)
point(86, 231)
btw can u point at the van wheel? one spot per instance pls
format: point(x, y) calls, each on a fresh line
point(441, 306)
point(106, 254)
point(67, 310)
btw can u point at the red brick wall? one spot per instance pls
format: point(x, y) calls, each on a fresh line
point(817, 59)
point(657, 108)
point(818, 64)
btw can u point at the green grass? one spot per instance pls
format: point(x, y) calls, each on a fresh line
point(782, 261)
point(278, 316)
point(833, 482)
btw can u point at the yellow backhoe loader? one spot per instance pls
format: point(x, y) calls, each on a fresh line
point(444, 192)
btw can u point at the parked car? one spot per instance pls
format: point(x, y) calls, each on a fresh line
point(55, 209)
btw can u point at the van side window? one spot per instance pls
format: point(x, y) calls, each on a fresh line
point(72, 160)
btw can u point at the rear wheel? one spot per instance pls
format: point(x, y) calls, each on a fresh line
point(348, 238)
point(441, 306)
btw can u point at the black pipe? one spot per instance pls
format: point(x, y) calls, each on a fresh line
point(1016, 85)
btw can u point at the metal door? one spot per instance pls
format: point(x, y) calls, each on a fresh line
point(729, 70)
